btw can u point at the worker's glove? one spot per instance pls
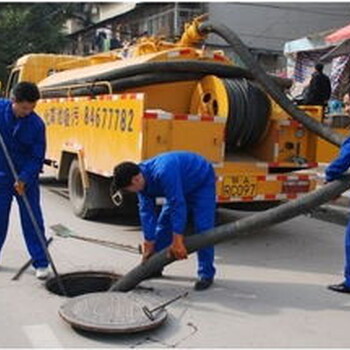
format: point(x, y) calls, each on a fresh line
point(147, 250)
point(177, 248)
point(20, 187)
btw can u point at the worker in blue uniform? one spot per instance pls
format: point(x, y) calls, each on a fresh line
point(334, 171)
point(23, 133)
point(187, 182)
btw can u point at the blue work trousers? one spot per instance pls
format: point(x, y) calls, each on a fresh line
point(347, 255)
point(201, 208)
point(34, 247)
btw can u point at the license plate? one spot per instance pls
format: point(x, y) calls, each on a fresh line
point(239, 186)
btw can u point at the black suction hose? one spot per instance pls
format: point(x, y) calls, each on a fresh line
point(263, 219)
point(154, 78)
point(168, 67)
point(225, 232)
point(122, 84)
point(268, 84)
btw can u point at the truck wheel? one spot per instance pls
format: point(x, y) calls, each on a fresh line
point(79, 196)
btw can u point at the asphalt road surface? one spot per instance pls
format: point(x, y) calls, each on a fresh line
point(270, 289)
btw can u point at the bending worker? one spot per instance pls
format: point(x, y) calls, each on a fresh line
point(187, 181)
point(23, 133)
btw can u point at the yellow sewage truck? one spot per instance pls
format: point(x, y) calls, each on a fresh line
point(158, 96)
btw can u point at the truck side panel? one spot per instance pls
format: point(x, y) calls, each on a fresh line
point(106, 129)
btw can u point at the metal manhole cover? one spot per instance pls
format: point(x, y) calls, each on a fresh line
point(110, 312)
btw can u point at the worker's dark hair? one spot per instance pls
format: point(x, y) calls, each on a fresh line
point(123, 174)
point(319, 67)
point(26, 92)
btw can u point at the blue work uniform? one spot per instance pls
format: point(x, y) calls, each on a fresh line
point(334, 171)
point(187, 182)
point(25, 141)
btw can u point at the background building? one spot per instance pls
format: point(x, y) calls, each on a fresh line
point(263, 26)
point(128, 21)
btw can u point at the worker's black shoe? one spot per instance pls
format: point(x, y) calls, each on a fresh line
point(203, 284)
point(340, 288)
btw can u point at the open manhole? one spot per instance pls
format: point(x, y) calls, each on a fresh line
point(79, 283)
point(92, 308)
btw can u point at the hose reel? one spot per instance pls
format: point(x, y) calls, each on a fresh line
point(249, 109)
point(241, 101)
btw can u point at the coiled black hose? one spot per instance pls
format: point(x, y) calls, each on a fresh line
point(268, 84)
point(249, 110)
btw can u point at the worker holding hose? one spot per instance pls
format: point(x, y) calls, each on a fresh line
point(23, 134)
point(187, 182)
point(334, 171)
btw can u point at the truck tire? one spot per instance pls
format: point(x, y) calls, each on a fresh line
point(80, 197)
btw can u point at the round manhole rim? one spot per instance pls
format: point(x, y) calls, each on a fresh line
point(53, 281)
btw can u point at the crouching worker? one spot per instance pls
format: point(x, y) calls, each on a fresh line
point(187, 182)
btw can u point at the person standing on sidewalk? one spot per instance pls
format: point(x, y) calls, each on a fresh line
point(23, 133)
point(187, 181)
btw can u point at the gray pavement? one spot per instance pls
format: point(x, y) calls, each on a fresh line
point(269, 292)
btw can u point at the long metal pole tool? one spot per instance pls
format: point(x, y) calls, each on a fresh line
point(32, 217)
point(27, 264)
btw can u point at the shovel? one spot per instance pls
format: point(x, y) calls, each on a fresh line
point(63, 231)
